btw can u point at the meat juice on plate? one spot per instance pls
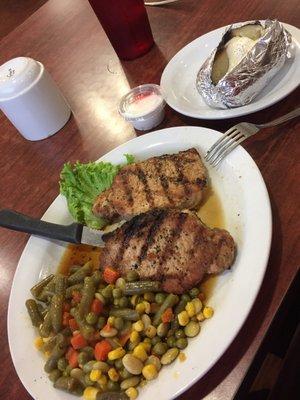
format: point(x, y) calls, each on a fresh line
point(210, 212)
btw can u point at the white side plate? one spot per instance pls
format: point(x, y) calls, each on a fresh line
point(178, 81)
point(246, 205)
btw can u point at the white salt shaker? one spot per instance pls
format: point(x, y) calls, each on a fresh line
point(31, 100)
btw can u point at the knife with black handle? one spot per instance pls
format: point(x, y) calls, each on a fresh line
point(73, 233)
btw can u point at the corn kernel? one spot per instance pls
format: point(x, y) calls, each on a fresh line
point(208, 312)
point(134, 337)
point(140, 308)
point(140, 352)
point(190, 309)
point(102, 381)
point(138, 326)
point(146, 344)
point(110, 321)
point(47, 354)
point(197, 304)
point(183, 318)
point(134, 299)
point(38, 343)
point(116, 353)
point(200, 317)
point(113, 374)
point(95, 375)
point(132, 393)
point(90, 393)
point(149, 372)
point(150, 332)
point(147, 307)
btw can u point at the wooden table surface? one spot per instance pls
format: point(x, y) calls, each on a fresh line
point(67, 38)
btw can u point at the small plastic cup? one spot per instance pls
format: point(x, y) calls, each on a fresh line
point(143, 106)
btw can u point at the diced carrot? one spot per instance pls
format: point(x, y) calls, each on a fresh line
point(69, 352)
point(124, 338)
point(110, 275)
point(78, 341)
point(67, 307)
point(201, 296)
point(73, 324)
point(102, 349)
point(66, 318)
point(73, 360)
point(167, 316)
point(97, 307)
point(76, 296)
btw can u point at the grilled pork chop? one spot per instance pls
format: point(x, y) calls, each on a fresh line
point(168, 181)
point(170, 246)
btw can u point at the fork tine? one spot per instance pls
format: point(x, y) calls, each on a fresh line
point(228, 150)
point(230, 134)
point(218, 142)
point(224, 146)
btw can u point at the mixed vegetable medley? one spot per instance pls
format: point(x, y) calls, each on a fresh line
point(104, 335)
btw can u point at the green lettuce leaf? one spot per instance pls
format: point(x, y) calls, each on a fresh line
point(82, 183)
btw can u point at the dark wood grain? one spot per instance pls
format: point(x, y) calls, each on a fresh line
point(67, 38)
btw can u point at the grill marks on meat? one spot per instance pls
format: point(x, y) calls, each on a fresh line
point(170, 246)
point(168, 181)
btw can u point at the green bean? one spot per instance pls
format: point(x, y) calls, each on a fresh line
point(47, 291)
point(125, 374)
point(100, 297)
point(67, 371)
point(141, 287)
point(78, 276)
point(87, 380)
point(88, 293)
point(36, 290)
point(162, 329)
point(118, 323)
point(70, 385)
point(185, 297)
point(170, 301)
point(155, 340)
point(97, 276)
point(112, 396)
point(33, 311)
point(74, 288)
point(74, 268)
point(60, 284)
point(107, 292)
point(57, 352)
point(62, 364)
point(123, 302)
point(85, 329)
point(125, 313)
point(101, 322)
point(119, 363)
point(180, 306)
point(46, 326)
point(91, 318)
point(149, 296)
point(49, 345)
point(56, 311)
point(117, 293)
point(54, 375)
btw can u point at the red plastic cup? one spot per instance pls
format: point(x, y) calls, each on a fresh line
point(126, 24)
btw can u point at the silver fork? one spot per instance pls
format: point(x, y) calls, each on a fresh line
point(237, 134)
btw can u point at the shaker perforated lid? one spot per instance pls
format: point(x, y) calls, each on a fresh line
point(17, 76)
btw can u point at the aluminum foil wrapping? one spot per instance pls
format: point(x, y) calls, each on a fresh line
point(243, 83)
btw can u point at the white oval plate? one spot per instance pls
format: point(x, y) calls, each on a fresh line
point(178, 81)
point(246, 205)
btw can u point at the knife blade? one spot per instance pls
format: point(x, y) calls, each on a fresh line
point(73, 233)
